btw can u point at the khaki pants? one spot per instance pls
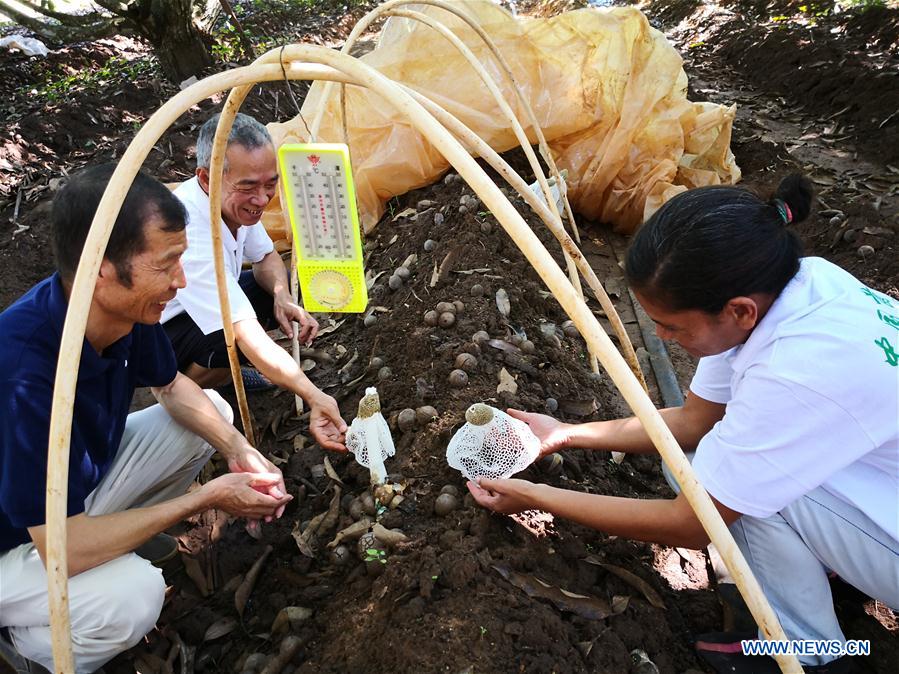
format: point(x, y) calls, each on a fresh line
point(111, 606)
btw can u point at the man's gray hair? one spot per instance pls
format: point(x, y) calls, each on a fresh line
point(246, 131)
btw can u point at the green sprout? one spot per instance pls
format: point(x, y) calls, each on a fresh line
point(375, 555)
point(483, 631)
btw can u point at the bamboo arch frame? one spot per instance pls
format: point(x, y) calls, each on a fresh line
point(504, 107)
point(329, 65)
point(388, 9)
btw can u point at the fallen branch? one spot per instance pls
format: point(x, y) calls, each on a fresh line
point(242, 595)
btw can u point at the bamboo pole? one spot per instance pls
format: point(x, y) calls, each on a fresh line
point(358, 73)
point(216, 172)
point(517, 129)
point(459, 12)
point(295, 294)
point(462, 48)
point(73, 335)
point(479, 147)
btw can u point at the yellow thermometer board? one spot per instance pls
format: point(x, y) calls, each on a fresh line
point(321, 201)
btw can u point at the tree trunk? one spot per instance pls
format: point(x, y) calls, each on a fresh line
point(90, 29)
point(182, 49)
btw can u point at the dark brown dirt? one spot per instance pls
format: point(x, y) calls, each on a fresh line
point(438, 603)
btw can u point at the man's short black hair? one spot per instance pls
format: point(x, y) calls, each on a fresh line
point(75, 205)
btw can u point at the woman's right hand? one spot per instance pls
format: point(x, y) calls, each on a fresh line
point(552, 433)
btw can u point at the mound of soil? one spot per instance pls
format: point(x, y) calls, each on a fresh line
point(845, 65)
point(439, 601)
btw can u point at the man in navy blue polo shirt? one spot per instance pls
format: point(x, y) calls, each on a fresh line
point(128, 474)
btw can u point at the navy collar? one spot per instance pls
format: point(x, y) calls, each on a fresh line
point(92, 364)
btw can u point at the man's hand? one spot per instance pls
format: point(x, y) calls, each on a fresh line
point(552, 433)
point(287, 311)
point(247, 495)
point(326, 424)
point(250, 460)
point(503, 496)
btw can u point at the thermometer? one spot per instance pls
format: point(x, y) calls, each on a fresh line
point(321, 203)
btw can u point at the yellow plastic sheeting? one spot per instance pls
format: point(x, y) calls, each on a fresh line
point(609, 92)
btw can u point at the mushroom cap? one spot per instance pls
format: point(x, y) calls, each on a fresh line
point(370, 404)
point(479, 414)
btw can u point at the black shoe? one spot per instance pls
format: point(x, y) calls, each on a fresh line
point(159, 549)
point(253, 380)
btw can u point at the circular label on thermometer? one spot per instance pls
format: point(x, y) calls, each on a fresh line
point(331, 288)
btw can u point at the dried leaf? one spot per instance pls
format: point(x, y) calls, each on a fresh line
point(242, 595)
point(434, 276)
point(333, 325)
point(319, 525)
point(195, 573)
point(307, 364)
point(149, 663)
point(329, 470)
point(507, 383)
point(388, 537)
point(405, 213)
point(585, 606)
point(503, 345)
point(351, 533)
point(631, 579)
point(290, 617)
point(219, 629)
point(502, 303)
point(370, 280)
point(302, 544)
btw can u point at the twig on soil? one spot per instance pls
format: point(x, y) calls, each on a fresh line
point(15, 212)
point(885, 121)
point(242, 595)
point(310, 485)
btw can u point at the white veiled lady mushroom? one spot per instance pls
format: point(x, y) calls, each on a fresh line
point(368, 437)
point(492, 444)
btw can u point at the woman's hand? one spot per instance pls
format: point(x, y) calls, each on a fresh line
point(504, 496)
point(552, 433)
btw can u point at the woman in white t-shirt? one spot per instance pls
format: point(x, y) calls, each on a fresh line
point(792, 411)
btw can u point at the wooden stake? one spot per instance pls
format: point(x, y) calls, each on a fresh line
point(295, 293)
point(387, 9)
point(216, 172)
point(479, 148)
point(355, 72)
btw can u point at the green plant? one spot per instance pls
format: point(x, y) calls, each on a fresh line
point(375, 555)
point(56, 87)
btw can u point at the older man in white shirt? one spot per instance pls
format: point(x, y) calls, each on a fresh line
point(260, 298)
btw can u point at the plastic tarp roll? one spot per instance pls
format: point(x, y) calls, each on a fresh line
point(608, 90)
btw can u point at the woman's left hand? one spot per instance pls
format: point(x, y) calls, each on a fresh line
point(504, 496)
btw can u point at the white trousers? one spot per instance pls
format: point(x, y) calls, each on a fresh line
point(791, 552)
point(111, 606)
